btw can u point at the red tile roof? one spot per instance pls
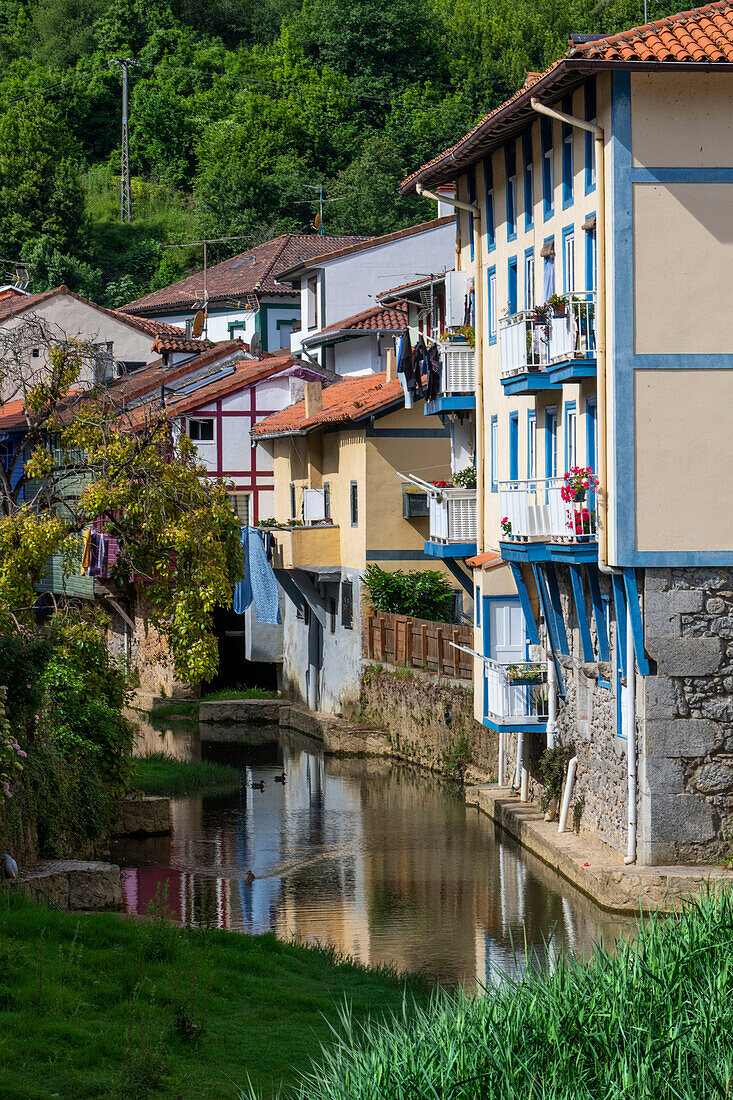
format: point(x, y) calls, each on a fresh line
point(487, 560)
point(395, 294)
point(180, 343)
point(376, 319)
point(365, 243)
point(12, 415)
point(149, 379)
point(245, 374)
point(248, 273)
point(350, 400)
point(701, 35)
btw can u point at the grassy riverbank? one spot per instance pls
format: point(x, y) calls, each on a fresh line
point(98, 1005)
point(651, 1021)
point(158, 773)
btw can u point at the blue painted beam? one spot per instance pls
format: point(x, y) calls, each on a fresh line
point(514, 726)
point(445, 550)
point(637, 627)
point(532, 632)
point(604, 647)
point(576, 580)
point(460, 574)
point(556, 607)
point(550, 623)
point(619, 604)
point(565, 552)
point(450, 403)
point(573, 370)
point(531, 382)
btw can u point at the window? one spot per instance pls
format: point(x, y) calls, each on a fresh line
point(591, 443)
point(568, 260)
point(201, 431)
point(240, 503)
point(471, 194)
point(327, 500)
point(590, 258)
point(512, 286)
point(532, 445)
point(490, 221)
point(514, 446)
point(35, 353)
point(312, 296)
point(332, 613)
point(571, 435)
point(567, 156)
point(510, 165)
point(590, 151)
point(354, 501)
point(494, 452)
point(477, 604)
point(548, 168)
point(548, 277)
point(347, 604)
point(293, 513)
point(528, 180)
point(529, 297)
point(551, 442)
point(493, 321)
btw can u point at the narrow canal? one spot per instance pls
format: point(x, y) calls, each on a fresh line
point(381, 860)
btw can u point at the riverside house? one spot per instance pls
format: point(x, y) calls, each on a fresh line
point(339, 505)
point(593, 226)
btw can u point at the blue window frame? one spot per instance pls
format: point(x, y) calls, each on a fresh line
point(571, 435)
point(548, 168)
point(591, 433)
point(590, 257)
point(567, 156)
point(602, 682)
point(510, 166)
point(489, 189)
point(471, 195)
point(590, 153)
point(551, 442)
point(478, 606)
point(529, 279)
point(528, 179)
point(568, 259)
point(492, 304)
point(531, 445)
point(514, 446)
point(512, 286)
point(494, 452)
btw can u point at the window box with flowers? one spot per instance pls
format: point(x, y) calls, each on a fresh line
point(578, 480)
point(526, 672)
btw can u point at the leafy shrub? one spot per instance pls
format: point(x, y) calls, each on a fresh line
point(466, 479)
point(424, 594)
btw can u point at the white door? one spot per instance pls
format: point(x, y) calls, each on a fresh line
point(507, 647)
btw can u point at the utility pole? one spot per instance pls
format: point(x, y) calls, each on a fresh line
point(125, 196)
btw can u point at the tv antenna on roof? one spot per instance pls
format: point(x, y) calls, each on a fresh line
point(125, 195)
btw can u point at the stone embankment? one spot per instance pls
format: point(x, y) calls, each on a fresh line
point(148, 816)
point(73, 884)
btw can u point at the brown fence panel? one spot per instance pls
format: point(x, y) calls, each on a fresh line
point(400, 639)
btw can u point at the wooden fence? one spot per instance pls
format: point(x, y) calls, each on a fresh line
point(418, 643)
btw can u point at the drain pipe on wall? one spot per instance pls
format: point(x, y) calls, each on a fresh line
point(472, 208)
point(567, 794)
point(630, 856)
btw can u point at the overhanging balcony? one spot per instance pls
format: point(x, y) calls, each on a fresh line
point(515, 696)
point(314, 547)
point(457, 379)
point(542, 348)
point(452, 523)
point(538, 524)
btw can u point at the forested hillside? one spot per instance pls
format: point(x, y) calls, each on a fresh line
point(235, 109)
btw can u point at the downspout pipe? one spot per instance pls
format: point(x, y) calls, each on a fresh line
point(601, 313)
point(472, 208)
point(630, 703)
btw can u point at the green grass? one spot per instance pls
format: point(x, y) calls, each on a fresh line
point(240, 693)
point(651, 1020)
point(184, 710)
point(158, 773)
point(98, 1005)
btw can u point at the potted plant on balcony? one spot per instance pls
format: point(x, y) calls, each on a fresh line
point(465, 479)
point(525, 673)
point(541, 313)
point(578, 480)
point(462, 334)
point(558, 304)
point(506, 527)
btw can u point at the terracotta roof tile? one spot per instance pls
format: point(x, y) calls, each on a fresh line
point(349, 400)
point(180, 343)
point(487, 560)
point(246, 373)
point(248, 273)
point(376, 319)
point(12, 415)
point(149, 379)
point(702, 35)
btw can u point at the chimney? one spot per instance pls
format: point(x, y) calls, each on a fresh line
point(313, 399)
point(391, 365)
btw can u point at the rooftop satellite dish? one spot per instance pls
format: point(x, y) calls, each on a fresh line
point(255, 344)
point(198, 324)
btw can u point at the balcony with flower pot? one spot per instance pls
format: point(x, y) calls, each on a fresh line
point(515, 696)
point(456, 390)
point(550, 344)
point(550, 518)
point(451, 514)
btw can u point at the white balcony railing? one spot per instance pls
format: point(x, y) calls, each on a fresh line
point(529, 344)
point(535, 511)
point(453, 515)
point(458, 368)
point(516, 693)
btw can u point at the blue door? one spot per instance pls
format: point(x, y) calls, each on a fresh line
point(514, 446)
point(512, 287)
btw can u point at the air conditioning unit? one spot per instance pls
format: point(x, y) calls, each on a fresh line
point(456, 287)
point(414, 504)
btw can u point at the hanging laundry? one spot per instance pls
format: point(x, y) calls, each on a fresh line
point(97, 567)
point(433, 371)
point(409, 376)
point(86, 553)
point(258, 584)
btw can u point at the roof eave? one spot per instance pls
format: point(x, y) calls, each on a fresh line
point(324, 339)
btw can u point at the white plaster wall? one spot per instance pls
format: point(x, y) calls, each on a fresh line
point(357, 357)
point(682, 120)
point(219, 321)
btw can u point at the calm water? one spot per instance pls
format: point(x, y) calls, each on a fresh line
point(381, 860)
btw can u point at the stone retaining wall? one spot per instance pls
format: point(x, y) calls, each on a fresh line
point(73, 884)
